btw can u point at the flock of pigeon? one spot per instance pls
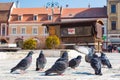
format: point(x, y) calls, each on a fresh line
point(63, 63)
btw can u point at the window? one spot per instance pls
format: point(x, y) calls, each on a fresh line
point(103, 29)
point(23, 30)
point(3, 29)
point(19, 18)
point(113, 8)
point(35, 17)
point(35, 30)
point(49, 17)
point(64, 31)
point(45, 30)
point(113, 25)
point(14, 30)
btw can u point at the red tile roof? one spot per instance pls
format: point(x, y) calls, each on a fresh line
point(30, 22)
point(5, 6)
point(84, 12)
point(22, 11)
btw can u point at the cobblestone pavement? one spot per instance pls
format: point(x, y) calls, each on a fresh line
point(83, 72)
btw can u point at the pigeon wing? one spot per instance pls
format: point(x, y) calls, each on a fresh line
point(22, 63)
point(72, 63)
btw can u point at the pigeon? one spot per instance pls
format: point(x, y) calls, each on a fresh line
point(24, 63)
point(73, 63)
point(96, 64)
point(64, 57)
point(105, 61)
point(89, 56)
point(59, 67)
point(41, 62)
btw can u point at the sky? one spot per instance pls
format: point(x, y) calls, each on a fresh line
point(63, 3)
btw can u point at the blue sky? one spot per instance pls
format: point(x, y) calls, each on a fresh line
point(71, 3)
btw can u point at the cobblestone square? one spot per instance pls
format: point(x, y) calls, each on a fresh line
point(83, 72)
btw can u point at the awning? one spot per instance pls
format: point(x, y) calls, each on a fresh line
point(70, 22)
point(116, 41)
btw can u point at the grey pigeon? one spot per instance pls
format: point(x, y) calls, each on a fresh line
point(59, 67)
point(41, 61)
point(24, 63)
point(89, 56)
point(96, 64)
point(73, 63)
point(105, 61)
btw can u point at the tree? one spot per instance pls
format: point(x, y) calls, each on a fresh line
point(52, 42)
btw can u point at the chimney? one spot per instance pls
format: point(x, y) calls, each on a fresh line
point(60, 9)
point(67, 5)
point(89, 5)
point(17, 4)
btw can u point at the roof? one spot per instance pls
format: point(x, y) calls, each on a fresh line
point(5, 6)
point(30, 22)
point(43, 10)
point(5, 11)
point(99, 12)
point(90, 21)
point(4, 16)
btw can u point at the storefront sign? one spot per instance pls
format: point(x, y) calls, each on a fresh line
point(71, 30)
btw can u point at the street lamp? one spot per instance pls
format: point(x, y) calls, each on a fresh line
point(52, 5)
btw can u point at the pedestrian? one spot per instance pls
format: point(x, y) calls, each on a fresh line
point(118, 48)
point(110, 47)
point(115, 49)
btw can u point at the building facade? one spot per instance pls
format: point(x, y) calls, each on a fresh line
point(77, 14)
point(27, 23)
point(79, 26)
point(113, 9)
point(5, 11)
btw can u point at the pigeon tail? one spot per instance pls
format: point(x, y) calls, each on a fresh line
point(13, 69)
point(98, 72)
point(48, 71)
point(110, 66)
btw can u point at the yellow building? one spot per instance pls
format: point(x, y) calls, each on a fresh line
point(113, 9)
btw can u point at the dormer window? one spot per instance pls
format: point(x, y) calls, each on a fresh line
point(19, 18)
point(70, 14)
point(35, 17)
point(49, 17)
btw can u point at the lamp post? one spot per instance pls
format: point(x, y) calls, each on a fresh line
point(52, 5)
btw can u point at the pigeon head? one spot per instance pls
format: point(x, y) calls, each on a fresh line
point(30, 53)
point(65, 55)
point(91, 51)
point(41, 54)
point(95, 55)
point(79, 57)
point(102, 54)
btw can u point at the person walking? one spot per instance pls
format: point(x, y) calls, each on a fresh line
point(110, 47)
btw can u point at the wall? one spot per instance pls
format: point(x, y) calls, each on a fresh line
point(41, 34)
